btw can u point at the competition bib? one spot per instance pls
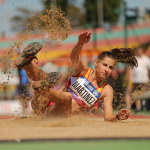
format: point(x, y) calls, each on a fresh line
point(85, 90)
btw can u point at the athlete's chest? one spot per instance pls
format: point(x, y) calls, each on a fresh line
point(98, 86)
point(93, 82)
point(85, 91)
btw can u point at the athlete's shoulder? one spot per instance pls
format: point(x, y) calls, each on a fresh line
point(84, 72)
point(108, 89)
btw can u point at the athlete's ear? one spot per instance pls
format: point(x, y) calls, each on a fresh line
point(96, 62)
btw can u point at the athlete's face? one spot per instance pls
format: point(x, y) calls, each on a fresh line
point(104, 67)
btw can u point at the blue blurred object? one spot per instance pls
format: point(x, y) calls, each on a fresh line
point(23, 87)
point(23, 77)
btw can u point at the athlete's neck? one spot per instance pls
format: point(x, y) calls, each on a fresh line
point(95, 79)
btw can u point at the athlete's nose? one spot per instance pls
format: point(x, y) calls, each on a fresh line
point(106, 69)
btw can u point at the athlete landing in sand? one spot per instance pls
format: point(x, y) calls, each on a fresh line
point(84, 88)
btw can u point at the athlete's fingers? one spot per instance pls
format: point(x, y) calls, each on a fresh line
point(88, 37)
point(89, 34)
point(85, 33)
point(129, 113)
point(125, 116)
point(125, 111)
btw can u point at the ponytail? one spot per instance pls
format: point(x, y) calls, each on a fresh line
point(122, 55)
point(125, 55)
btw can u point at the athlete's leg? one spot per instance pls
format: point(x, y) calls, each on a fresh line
point(42, 98)
point(43, 81)
point(34, 73)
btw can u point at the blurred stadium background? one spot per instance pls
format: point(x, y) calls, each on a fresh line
point(112, 23)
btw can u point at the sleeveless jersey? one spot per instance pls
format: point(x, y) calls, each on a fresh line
point(83, 91)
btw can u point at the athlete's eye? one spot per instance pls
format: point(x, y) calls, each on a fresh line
point(105, 64)
point(111, 67)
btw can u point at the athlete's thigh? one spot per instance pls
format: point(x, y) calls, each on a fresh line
point(58, 96)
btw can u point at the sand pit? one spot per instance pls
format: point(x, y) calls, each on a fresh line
point(74, 127)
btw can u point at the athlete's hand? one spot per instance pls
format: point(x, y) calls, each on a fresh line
point(84, 38)
point(124, 114)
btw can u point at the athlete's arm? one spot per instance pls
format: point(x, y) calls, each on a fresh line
point(107, 105)
point(123, 114)
point(79, 65)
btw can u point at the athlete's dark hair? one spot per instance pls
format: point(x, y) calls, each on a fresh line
point(123, 55)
